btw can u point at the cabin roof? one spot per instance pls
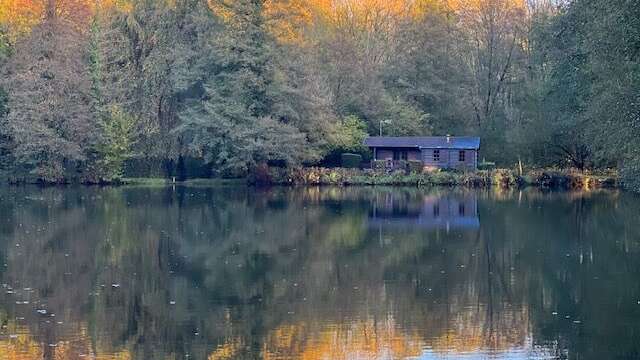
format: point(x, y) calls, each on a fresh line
point(424, 142)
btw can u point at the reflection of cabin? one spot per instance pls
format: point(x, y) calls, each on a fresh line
point(429, 212)
point(435, 152)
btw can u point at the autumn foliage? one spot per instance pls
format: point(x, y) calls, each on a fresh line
point(239, 84)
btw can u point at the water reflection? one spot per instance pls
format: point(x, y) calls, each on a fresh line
point(442, 211)
point(317, 273)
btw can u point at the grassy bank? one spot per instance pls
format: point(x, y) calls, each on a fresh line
point(189, 182)
point(544, 178)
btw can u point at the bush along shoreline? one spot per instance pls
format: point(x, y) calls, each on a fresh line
point(320, 176)
point(506, 178)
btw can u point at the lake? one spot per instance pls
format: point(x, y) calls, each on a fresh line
point(318, 273)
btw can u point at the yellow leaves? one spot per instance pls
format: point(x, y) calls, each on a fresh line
point(501, 10)
point(221, 9)
point(19, 16)
point(119, 5)
point(288, 17)
point(293, 17)
point(366, 8)
point(364, 339)
point(368, 15)
point(360, 8)
point(25, 346)
point(76, 12)
point(227, 351)
point(21, 347)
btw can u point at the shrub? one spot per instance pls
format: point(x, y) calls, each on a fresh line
point(504, 178)
point(312, 176)
point(415, 166)
point(350, 161)
point(480, 178)
point(443, 178)
point(401, 164)
point(486, 165)
point(549, 178)
point(331, 177)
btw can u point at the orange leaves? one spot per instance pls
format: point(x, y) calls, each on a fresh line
point(77, 12)
point(293, 17)
point(227, 351)
point(364, 339)
point(290, 18)
point(21, 346)
point(287, 18)
point(222, 8)
point(19, 16)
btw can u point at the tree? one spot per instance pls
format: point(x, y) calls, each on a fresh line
point(116, 144)
point(5, 141)
point(594, 69)
point(609, 79)
point(429, 70)
point(350, 136)
point(5, 46)
point(134, 51)
point(49, 95)
point(403, 118)
point(237, 123)
point(494, 31)
point(247, 82)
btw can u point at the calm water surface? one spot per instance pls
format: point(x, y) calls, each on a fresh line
point(318, 273)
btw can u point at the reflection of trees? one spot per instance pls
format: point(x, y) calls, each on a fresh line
point(580, 264)
point(237, 272)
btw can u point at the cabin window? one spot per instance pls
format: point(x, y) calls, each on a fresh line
point(461, 156)
point(436, 155)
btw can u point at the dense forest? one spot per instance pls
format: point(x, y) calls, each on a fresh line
point(91, 89)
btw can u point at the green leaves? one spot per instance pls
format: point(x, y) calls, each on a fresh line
point(118, 138)
point(48, 84)
point(349, 136)
point(235, 124)
point(595, 74)
point(541, 84)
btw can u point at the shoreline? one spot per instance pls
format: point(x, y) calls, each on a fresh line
point(316, 176)
point(503, 178)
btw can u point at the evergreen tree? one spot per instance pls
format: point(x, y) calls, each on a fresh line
point(235, 125)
